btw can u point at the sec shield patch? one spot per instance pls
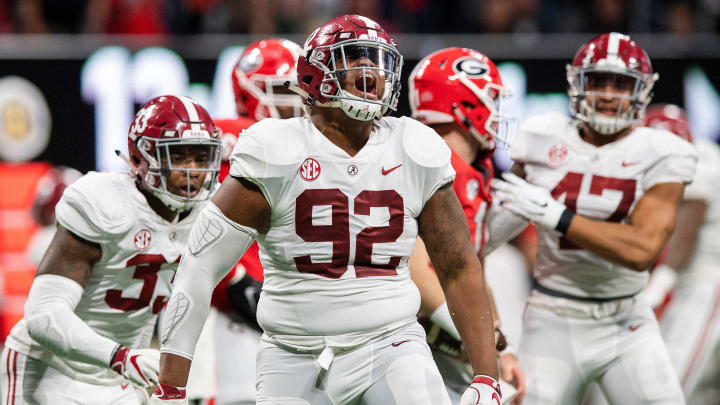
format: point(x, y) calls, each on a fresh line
point(142, 239)
point(310, 169)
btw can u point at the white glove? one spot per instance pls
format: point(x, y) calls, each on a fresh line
point(484, 390)
point(168, 395)
point(531, 202)
point(139, 366)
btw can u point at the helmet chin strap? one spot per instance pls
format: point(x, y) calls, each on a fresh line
point(353, 106)
point(484, 144)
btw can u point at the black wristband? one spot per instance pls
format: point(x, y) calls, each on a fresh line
point(564, 222)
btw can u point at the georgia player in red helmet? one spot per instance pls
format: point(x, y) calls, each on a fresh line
point(690, 323)
point(604, 195)
point(336, 201)
point(258, 80)
point(93, 305)
point(459, 93)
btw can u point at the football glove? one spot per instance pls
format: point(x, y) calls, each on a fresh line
point(168, 395)
point(531, 202)
point(484, 390)
point(139, 366)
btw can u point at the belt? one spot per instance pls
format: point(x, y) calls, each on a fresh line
point(561, 294)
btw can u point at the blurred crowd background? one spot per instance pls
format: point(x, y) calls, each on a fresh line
point(167, 17)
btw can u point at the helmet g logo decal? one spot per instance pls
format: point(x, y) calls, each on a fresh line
point(471, 67)
point(310, 169)
point(142, 239)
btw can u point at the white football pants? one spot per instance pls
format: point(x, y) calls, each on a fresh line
point(395, 370)
point(567, 344)
point(26, 381)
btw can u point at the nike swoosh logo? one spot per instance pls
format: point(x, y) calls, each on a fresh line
point(124, 385)
point(133, 360)
point(386, 172)
point(396, 344)
point(626, 164)
point(634, 327)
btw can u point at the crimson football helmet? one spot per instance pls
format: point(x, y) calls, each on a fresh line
point(670, 118)
point(327, 56)
point(610, 57)
point(463, 86)
point(259, 76)
point(168, 126)
point(48, 191)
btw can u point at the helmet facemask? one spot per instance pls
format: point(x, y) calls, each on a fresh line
point(271, 93)
point(195, 156)
point(499, 125)
point(382, 74)
point(630, 107)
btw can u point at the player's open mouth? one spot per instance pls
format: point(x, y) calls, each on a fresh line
point(192, 191)
point(366, 86)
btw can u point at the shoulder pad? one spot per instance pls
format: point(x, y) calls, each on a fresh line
point(666, 143)
point(547, 124)
point(91, 207)
point(421, 143)
point(275, 141)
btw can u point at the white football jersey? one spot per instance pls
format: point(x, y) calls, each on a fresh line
point(131, 282)
point(341, 227)
point(705, 187)
point(602, 183)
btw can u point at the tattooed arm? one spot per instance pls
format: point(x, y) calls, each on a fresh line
point(443, 228)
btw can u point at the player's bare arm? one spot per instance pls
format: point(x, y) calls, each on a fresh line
point(70, 256)
point(253, 212)
point(639, 242)
point(635, 244)
point(444, 230)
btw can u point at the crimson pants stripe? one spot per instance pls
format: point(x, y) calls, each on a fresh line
point(9, 374)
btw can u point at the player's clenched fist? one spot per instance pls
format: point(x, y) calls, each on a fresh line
point(484, 390)
point(168, 395)
point(139, 366)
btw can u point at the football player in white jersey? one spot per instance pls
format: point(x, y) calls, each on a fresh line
point(336, 201)
point(92, 307)
point(604, 195)
point(690, 323)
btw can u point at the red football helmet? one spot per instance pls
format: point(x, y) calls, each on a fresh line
point(611, 56)
point(259, 76)
point(163, 126)
point(328, 53)
point(48, 191)
point(670, 118)
point(464, 86)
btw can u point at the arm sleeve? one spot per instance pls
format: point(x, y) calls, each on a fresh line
point(215, 244)
point(51, 321)
point(503, 226)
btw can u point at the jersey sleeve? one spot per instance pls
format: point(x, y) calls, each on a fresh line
point(430, 155)
point(676, 162)
point(534, 137)
point(262, 156)
point(89, 210)
point(707, 175)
